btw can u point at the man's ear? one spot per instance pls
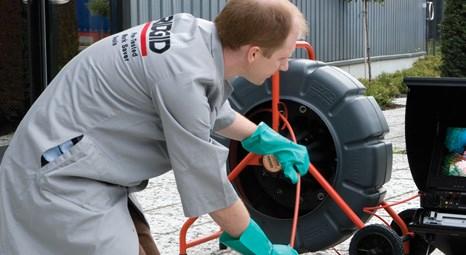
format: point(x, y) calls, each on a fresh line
point(252, 53)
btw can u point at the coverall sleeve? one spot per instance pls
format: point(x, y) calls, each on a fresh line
point(225, 116)
point(198, 161)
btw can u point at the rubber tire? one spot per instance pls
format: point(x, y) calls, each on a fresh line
point(376, 237)
point(357, 127)
point(417, 245)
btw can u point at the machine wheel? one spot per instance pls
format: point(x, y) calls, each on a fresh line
point(376, 239)
point(343, 131)
point(417, 244)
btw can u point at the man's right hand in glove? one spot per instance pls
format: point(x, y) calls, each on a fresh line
point(292, 157)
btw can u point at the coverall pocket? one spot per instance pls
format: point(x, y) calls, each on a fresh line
point(76, 177)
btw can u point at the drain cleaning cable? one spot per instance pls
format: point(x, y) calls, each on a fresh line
point(298, 188)
point(327, 187)
point(338, 200)
point(287, 125)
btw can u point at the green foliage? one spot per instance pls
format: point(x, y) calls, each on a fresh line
point(453, 36)
point(428, 67)
point(99, 7)
point(382, 94)
point(387, 86)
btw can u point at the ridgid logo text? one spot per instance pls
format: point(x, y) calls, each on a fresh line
point(158, 39)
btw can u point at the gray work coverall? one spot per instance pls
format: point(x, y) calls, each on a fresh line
point(146, 101)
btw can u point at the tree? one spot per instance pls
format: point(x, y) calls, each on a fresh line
point(367, 49)
point(453, 39)
point(99, 8)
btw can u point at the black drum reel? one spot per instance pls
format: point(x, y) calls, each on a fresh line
point(343, 131)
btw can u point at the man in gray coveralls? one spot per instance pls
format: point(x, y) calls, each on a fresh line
point(134, 106)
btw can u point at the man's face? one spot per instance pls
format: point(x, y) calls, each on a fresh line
point(260, 67)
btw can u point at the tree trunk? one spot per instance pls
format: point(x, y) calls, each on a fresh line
point(367, 51)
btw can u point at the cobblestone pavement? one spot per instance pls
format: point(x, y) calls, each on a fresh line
point(162, 205)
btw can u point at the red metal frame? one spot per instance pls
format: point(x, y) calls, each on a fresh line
point(252, 159)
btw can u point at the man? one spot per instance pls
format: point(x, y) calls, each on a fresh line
point(133, 106)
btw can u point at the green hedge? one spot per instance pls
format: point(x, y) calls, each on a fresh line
point(453, 36)
point(386, 86)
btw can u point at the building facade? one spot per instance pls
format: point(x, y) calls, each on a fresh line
point(41, 36)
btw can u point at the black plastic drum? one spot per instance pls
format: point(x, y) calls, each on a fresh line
point(343, 131)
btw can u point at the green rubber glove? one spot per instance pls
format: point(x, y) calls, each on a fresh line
point(292, 157)
point(253, 241)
